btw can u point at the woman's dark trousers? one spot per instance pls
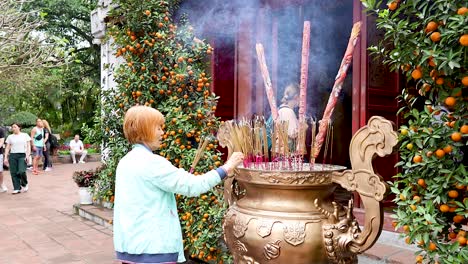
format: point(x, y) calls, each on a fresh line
point(47, 158)
point(18, 170)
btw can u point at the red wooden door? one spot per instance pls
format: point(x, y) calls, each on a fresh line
point(375, 89)
point(223, 63)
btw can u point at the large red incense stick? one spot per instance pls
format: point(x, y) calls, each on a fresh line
point(304, 70)
point(340, 77)
point(266, 80)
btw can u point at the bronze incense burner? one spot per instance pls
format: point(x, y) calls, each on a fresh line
point(278, 216)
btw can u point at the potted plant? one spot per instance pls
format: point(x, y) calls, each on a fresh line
point(85, 180)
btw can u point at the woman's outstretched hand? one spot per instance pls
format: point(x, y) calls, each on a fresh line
point(234, 161)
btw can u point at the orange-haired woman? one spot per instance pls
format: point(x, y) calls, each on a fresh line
point(146, 223)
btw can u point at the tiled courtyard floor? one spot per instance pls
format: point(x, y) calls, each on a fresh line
point(39, 226)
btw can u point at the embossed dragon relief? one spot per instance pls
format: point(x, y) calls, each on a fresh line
point(271, 251)
point(240, 254)
point(339, 235)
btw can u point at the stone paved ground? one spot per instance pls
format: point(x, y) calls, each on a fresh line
point(39, 226)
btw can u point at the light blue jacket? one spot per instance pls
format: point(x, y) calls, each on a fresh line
point(145, 211)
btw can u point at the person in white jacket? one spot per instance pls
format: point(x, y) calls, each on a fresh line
point(146, 224)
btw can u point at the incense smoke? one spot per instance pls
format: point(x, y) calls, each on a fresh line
point(331, 25)
point(225, 24)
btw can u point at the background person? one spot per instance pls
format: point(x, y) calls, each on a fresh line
point(77, 147)
point(38, 135)
point(286, 113)
point(17, 150)
point(47, 166)
point(289, 102)
point(3, 188)
point(146, 224)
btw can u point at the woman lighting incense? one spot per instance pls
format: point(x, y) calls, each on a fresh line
point(146, 223)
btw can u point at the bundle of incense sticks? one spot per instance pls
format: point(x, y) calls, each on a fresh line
point(251, 138)
point(328, 143)
point(312, 148)
point(198, 154)
point(300, 145)
point(265, 142)
point(235, 140)
point(260, 141)
point(245, 131)
point(301, 137)
point(281, 128)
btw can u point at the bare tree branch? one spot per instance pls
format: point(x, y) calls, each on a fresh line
point(22, 45)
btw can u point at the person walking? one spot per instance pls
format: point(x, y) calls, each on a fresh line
point(3, 188)
point(38, 135)
point(77, 147)
point(146, 224)
point(47, 166)
point(17, 150)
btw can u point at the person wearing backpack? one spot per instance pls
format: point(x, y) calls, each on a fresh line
point(47, 166)
point(37, 136)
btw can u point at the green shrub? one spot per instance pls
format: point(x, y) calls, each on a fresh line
point(25, 119)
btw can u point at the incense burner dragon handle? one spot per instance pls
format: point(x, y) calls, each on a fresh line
point(376, 138)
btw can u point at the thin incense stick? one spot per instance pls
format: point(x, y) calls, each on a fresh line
point(331, 145)
point(327, 141)
point(265, 143)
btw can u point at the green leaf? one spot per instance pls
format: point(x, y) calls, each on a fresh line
point(42, 14)
point(454, 64)
point(419, 143)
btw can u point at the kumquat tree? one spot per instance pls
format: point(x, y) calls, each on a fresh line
point(427, 41)
point(164, 66)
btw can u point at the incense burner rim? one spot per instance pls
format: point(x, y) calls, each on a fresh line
point(320, 168)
